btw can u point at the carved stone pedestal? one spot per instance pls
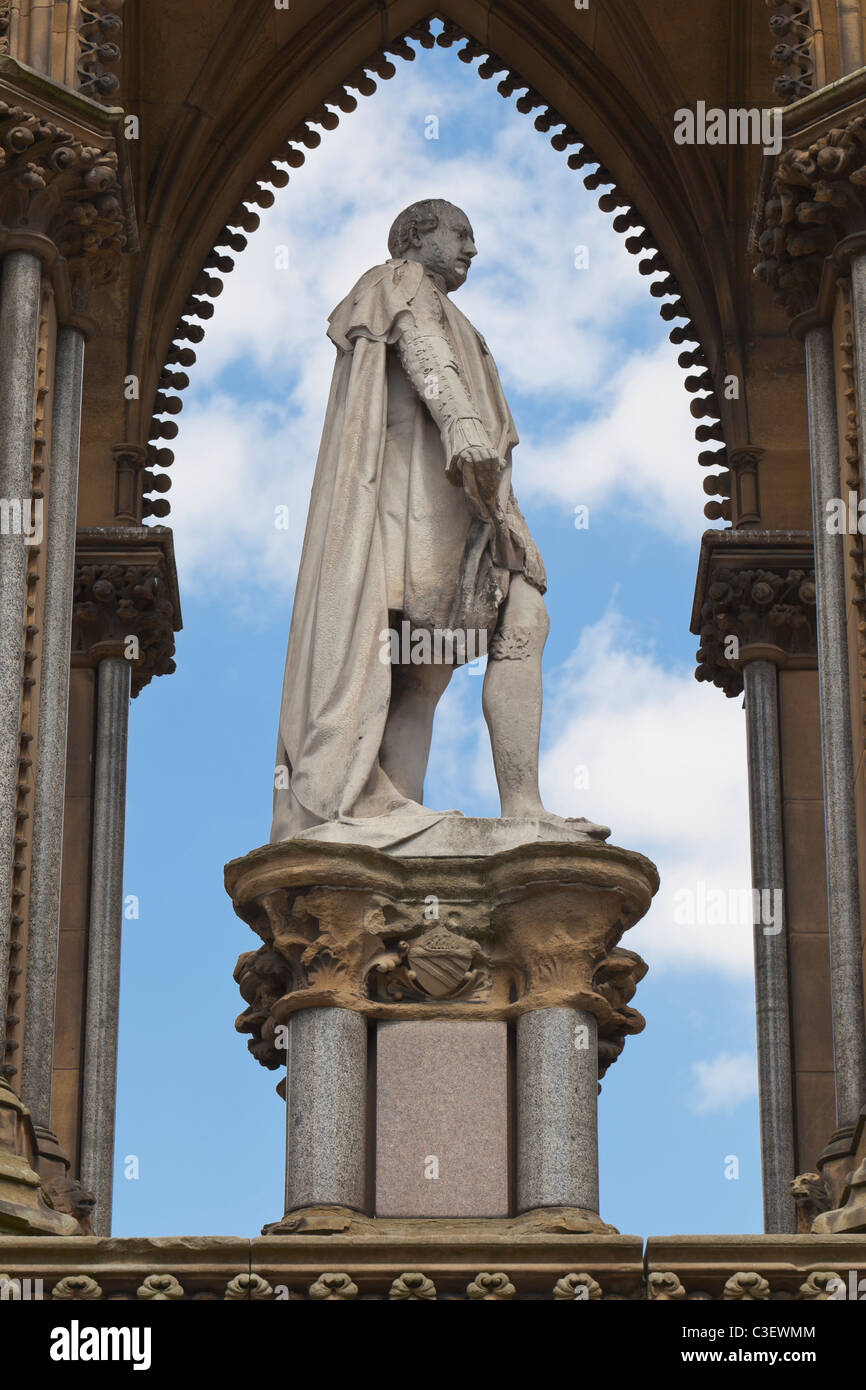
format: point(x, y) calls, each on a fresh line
point(444, 1022)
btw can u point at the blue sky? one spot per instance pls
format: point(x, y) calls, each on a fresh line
point(597, 396)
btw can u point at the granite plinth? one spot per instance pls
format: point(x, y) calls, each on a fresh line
point(441, 1119)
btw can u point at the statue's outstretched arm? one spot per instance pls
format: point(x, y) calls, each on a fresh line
point(429, 360)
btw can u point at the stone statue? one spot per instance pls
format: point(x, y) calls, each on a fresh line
point(416, 557)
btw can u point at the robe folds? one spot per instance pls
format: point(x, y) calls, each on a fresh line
point(388, 532)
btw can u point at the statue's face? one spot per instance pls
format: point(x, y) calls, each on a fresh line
point(449, 250)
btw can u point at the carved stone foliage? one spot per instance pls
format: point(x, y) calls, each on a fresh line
point(821, 1286)
point(350, 927)
point(665, 1287)
point(475, 1259)
point(816, 198)
point(5, 7)
point(490, 1287)
point(747, 1285)
point(577, 1287)
point(757, 608)
point(125, 600)
point(792, 27)
point(413, 1287)
point(160, 1288)
point(248, 1288)
point(61, 181)
point(616, 980)
point(99, 29)
point(77, 1288)
point(333, 1287)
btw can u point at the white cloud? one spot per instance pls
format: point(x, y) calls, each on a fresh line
point(635, 453)
point(723, 1082)
point(226, 531)
point(666, 764)
point(551, 326)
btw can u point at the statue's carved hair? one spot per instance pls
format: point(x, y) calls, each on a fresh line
point(421, 217)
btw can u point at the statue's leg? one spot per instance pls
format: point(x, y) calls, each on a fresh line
point(511, 698)
point(415, 693)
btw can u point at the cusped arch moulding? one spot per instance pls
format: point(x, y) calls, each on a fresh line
point(640, 241)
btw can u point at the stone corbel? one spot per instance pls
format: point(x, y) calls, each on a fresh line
point(754, 601)
point(125, 599)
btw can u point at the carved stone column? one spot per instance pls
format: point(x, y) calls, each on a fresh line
point(846, 973)
point(50, 772)
point(20, 282)
point(850, 17)
point(41, 23)
point(326, 1123)
point(744, 470)
point(124, 615)
point(65, 215)
point(772, 1010)
point(81, 57)
point(103, 945)
point(557, 1119)
point(814, 228)
point(755, 615)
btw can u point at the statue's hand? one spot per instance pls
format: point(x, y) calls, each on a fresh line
point(482, 476)
point(482, 459)
point(481, 470)
point(469, 451)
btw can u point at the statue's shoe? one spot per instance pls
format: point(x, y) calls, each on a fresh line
point(579, 823)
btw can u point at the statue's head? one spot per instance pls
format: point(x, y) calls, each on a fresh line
point(437, 234)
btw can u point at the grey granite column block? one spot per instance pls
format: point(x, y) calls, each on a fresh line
point(20, 286)
point(557, 1109)
point(49, 783)
point(837, 750)
point(103, 947)
point(771, 949)
point(326, 1105)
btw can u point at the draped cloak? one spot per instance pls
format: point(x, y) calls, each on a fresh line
point(387, 533)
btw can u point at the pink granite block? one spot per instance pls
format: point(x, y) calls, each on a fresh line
point(442, 1119)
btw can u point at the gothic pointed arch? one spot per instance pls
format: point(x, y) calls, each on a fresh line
point(605, 95)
